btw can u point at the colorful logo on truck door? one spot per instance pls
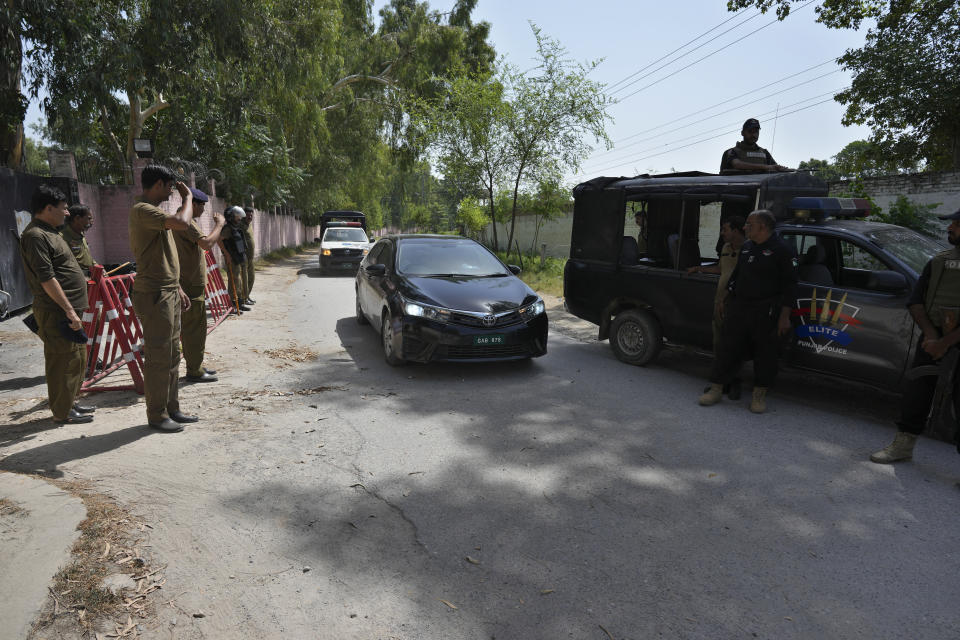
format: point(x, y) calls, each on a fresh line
point(824, 324)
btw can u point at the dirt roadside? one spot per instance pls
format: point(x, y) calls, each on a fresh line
point(172, 485)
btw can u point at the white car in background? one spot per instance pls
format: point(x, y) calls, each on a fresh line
point(343, 246)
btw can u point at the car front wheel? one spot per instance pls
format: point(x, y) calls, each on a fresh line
point(635, 337)
point(386, 338)
point(361, 319)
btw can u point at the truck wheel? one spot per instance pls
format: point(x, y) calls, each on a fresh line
point(386, 339)
point(635, 337)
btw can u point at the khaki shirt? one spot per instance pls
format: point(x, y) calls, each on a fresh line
point(158, 267)
point(47, 256)
point(248, 238)
point(728, 260)
point(193, 263)
point(78, 244)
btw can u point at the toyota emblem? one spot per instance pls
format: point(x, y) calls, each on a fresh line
point(489, 320)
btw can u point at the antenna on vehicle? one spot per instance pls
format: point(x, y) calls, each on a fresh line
point(776, 120)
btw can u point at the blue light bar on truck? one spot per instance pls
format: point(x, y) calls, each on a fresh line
point(815, 209)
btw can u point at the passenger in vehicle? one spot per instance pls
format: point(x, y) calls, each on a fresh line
point(762, 290)
point(641, 219)
point(747, 155)
point(934, 305)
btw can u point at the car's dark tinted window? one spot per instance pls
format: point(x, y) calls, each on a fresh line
point(374, 257)
point(453, 257)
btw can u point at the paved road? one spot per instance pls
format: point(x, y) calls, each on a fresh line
point(567, 497)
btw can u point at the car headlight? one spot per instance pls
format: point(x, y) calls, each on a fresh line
point(366, 251)
point(426, 311)
point(326, 252)
point(531, 311)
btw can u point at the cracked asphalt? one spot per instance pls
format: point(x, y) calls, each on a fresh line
point(567, 497)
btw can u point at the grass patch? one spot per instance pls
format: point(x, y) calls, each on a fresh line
point(283, 253)
point(545, 277)
point(109, 543)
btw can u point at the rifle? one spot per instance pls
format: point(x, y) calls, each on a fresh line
point(943, 414)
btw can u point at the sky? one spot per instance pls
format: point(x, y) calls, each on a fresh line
point(683, 119)
point(674, 124)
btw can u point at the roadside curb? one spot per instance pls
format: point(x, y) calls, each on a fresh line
point(563, 322)
point(37, 531)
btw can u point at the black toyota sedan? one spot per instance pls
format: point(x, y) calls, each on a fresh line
point(447, 298)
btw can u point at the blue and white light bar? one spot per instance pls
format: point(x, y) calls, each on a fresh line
point(807, 208)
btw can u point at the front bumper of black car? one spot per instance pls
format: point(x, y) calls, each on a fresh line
point(419, 339)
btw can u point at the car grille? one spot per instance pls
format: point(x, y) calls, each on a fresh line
point(487, 351)
point(346, 252)
point(505, 320)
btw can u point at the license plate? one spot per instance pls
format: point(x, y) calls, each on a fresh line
point(483, 341)
point(346, 265)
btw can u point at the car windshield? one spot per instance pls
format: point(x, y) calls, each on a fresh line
point(345, 235)
point(909, 246)
point(441, 257)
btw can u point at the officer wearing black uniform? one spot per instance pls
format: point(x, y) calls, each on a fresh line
point(762, 291)
point(935, 306)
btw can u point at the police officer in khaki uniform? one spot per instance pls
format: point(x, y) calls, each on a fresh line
point(74, 232)
point(747, 155)
point(59, 298)
point(192, 246)
point(157, 296)
point(934, 305)
point(251, 254)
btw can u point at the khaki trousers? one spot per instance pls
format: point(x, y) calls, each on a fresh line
point(238, 283)
point(193, 333)
point(64, 361)
point(159, 314)
point(250, 272)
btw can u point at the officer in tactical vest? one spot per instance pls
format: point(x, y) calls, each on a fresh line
point(157, 297)
point(934, 305)
point(80, 219)
point(235, 255)
point(59, 298)
point(250, 272)
point(192, 246)
point(747, 156)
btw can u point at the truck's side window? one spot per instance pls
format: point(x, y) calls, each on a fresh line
point(857, 263)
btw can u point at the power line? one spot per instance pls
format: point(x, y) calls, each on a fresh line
point(699, 60)
point(692, 144)
point(719, 113)
point(724, 127)
point(761, 88)
point(642, 69)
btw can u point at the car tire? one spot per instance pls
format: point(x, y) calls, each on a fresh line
point(361, 319)
point(635, 337)
point(386, 341)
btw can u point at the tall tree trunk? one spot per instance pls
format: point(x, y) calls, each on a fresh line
point(135, 129)
point(493, 217)
point(12, 108)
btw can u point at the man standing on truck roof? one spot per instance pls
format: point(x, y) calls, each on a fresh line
point(935, 306)
point(747, 155)
point(756, 313)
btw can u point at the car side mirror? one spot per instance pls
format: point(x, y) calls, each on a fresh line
point(890, 281)
point(376, 269)
point(514, 269)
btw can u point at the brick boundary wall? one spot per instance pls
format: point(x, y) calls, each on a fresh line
point(940, 187)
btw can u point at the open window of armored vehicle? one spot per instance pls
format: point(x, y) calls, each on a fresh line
point(682, 214)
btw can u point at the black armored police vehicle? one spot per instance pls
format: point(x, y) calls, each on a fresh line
point(855, 276)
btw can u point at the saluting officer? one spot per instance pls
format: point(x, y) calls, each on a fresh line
point(934, 305)
point(251, 254)
point(192, 245)
point(59, 297)
point(757, 310)
point(74, 232)
point(157, 296)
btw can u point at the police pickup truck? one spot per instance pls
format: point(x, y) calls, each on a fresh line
point(855, 276)
point(343, 240)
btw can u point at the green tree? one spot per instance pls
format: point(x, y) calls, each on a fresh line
point(471, 217)
point(906, 78)
point(552, 109)
point(913, 215)
point(823, 169)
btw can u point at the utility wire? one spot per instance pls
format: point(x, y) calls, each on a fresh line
point(681, 47)
point(699, 60)
point(737, 97)
point(692, 144)
point(724, 127)
point(711, 117)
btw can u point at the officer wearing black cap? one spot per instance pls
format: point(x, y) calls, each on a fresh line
point(747, 155)
point(192, 246)
point(756, 313)
point(935, 306)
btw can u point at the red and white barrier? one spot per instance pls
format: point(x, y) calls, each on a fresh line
point(219, 304)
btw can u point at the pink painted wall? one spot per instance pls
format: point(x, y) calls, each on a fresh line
point(109, 240)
